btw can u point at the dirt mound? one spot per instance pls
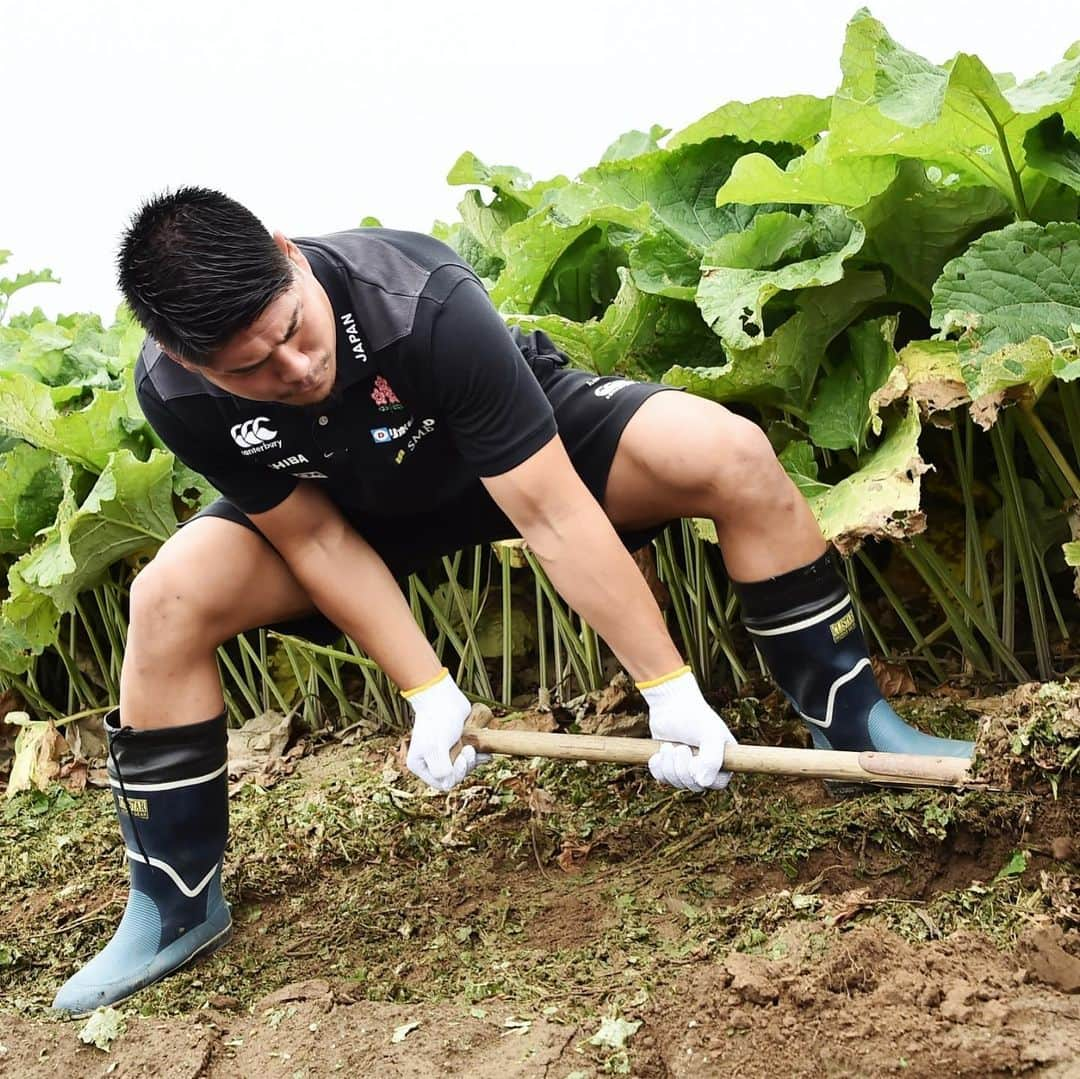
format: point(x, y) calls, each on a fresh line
point(872, 1005)
point(1029, 734)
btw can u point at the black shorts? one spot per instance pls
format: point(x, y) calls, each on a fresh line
point(590, 413)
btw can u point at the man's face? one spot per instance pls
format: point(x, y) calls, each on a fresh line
point(288, 353)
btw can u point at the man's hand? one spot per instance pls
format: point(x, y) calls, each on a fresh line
point(441, 710)
point(679, 713)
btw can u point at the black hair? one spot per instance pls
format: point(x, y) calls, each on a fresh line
point(196, 267)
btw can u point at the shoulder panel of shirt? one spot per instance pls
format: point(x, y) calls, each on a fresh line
point(386, 272)
point(167, 379)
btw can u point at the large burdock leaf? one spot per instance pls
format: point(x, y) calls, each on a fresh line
point(781, 370)
point(10, 285)
point(637, 334)
point(778, 252)
point(799, 462)
point(1010, 285)
point(87, 436)
point(128, 510)
point(796, 119)
point(678, 186)
point(1055, 151)
point(31, 488)
point(659, 207)
point(508, 182)
point(881, 500)
point(1013, 299)
point(894, 102)
point(813, 178)
point(635, 143)
point(534, 247)
point(840, 417)
point(917, 225)
point(928, 372)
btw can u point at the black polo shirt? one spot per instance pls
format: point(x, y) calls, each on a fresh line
point(431, 392)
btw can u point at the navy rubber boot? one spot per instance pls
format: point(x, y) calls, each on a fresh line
point(805, 630)
point(170, 789)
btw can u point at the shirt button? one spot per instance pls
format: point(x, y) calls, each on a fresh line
point(323, 421)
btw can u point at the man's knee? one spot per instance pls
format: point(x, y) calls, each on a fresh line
point(739, 468)
point(168, 606)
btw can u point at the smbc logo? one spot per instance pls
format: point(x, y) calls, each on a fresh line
point(252, 432)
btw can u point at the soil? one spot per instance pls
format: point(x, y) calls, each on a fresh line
point(562, 922)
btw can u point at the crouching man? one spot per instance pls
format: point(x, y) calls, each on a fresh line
point(363, 409)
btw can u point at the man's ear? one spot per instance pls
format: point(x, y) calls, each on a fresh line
point(290, 250)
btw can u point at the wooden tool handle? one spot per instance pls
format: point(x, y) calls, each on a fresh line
point(904, 769)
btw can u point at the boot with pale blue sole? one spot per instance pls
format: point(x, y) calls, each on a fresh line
point(170, 789)
point(805, 630)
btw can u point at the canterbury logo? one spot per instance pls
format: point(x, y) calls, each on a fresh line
point(253, 432)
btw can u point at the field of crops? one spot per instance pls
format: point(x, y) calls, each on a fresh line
point(887, 280)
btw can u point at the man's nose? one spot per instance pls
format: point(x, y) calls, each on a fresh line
point(292, 364)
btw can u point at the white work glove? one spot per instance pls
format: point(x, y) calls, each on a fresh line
point(441, 709)
point(679, 713)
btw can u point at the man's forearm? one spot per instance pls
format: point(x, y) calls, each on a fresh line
point(588, 564)
point(351, 585)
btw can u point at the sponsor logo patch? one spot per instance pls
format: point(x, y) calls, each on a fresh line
point(382, 394)
point(426, 427)
point(254, 436)
point(841, 628)
point(353, 335)
point(311, 475)
point(388, 434)
point(286, 462)
point(609, 389)
point(139, 807)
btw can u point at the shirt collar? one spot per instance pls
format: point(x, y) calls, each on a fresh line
point(354, 362)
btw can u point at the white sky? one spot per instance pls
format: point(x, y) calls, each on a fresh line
point(314, 113)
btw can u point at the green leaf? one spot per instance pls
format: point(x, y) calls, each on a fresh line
point(489, 222)
point(781, 370)
point(634, 143)
point(799, 463)
point(916, 226)
point(600, 344)
point(510, 182)
point(534, 248)
point(10, 285)
point(881, 499)
point(1016, 866)
point(739, 274)
point(796, 119)
point(814, 178)
point(840, 416)
point(893, 102)
point(1014, 300)
point(1010, 285)
point(128, 510)
point(30, 492)
point(87, 436)
point(1055, 151)
point(930, 373)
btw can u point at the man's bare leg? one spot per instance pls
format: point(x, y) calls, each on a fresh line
point(168, 751)
point(211, 580)
point(683, 456)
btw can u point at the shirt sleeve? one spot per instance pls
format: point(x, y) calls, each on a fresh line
point(497, 414)
point(253, 490)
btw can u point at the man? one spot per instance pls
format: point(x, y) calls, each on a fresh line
point(363, 408)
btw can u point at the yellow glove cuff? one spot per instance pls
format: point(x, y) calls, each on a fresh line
point(407, 693)
point(685, 669)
